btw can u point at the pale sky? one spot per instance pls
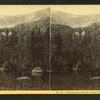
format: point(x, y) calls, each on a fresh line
point(19, 9)
point(79, 10)
point(74, 9)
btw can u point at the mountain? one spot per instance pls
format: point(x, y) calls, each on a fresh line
point(53, 16)
point(63, 18)
point(11, 21)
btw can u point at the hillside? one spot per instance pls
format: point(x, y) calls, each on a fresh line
point(11, 21)
point(63, 18)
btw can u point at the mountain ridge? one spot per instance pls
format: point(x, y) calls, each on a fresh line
point(73, 20)
point(56, 17)
point(11, 21)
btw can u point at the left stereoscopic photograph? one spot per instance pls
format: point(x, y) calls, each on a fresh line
point(24, 47)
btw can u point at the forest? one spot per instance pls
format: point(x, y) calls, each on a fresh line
point(49, 49)
point(75, 57)
point(73, 61)
point(20, 53)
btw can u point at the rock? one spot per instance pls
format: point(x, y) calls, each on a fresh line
point(36, 72)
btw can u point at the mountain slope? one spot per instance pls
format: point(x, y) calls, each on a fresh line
point(11, 21)
point(62, 18)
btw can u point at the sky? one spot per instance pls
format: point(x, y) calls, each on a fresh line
point(79, 10)
point(19, 9)
point(74, 9)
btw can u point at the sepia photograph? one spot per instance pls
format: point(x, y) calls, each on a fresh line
point(75, 47)
point(50, 47)
point(24, 47)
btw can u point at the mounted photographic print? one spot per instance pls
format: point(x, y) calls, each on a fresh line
point(50, 49)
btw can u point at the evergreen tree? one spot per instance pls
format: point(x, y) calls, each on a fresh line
point(57, 48)
point(58, 43)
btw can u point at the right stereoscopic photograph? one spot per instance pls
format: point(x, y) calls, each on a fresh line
point(75, 47)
